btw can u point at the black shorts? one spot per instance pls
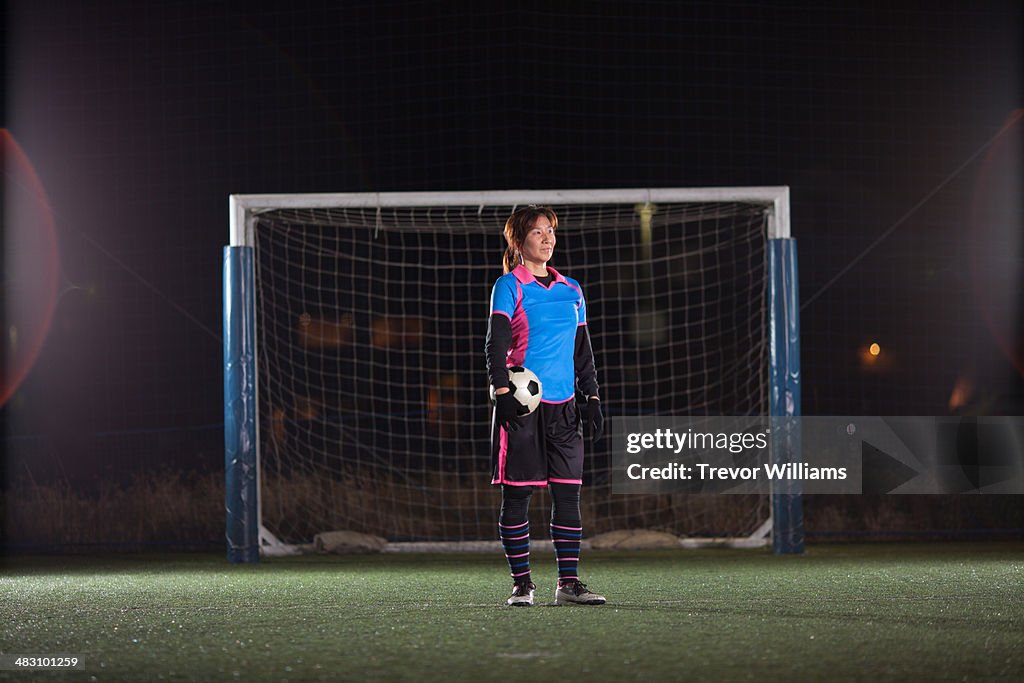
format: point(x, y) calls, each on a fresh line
point(547, 448)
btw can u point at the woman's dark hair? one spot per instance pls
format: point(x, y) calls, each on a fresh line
point(516, 227)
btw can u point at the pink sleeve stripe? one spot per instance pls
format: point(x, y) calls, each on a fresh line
point(565, 481)
point(582, 324)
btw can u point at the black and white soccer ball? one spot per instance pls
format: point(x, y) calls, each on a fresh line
point(526, 389)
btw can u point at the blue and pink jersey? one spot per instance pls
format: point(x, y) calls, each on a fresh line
point(544, 322)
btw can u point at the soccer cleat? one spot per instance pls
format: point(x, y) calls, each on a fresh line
point(522, 594)
point(576, 593)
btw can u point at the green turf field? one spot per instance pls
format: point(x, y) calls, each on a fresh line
point(841, 612)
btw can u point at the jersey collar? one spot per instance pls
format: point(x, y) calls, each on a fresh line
point(525, 277)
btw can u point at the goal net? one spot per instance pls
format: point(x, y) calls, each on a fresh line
point(371, 313)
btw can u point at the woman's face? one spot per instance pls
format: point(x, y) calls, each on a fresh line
point(539, 242)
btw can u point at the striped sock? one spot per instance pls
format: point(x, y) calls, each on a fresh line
point(516, 541)
point(566, 540)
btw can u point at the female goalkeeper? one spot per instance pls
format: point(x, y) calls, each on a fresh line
point(539, 321)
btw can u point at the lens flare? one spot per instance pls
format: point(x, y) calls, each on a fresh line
point(996, 240)
point(31, 264)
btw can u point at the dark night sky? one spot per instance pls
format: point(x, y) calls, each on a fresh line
point(141, 118)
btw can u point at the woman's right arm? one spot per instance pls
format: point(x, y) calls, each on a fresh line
point(499, 340)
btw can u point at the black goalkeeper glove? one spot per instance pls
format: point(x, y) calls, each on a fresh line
point(506, 411)
point(594, 418)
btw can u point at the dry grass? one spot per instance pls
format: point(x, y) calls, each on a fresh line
point(451, 507)
point(178, 508)
point(158, 507)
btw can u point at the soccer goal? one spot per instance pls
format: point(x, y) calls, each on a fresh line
point(355, 393)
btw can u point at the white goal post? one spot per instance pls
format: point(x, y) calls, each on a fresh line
point(353, 353)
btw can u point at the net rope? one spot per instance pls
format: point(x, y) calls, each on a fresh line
point(374, 414)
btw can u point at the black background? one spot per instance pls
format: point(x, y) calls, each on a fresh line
point(141, 118)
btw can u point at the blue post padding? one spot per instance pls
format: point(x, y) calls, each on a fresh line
point(240, 406)
point(784, 325)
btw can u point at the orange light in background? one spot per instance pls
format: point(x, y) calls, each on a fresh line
point(443, 406)
point(872, 359)
point(961, 394)
point(398, 332)
point(320, 333)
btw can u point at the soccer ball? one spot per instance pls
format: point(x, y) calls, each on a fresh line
point(526, 389)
